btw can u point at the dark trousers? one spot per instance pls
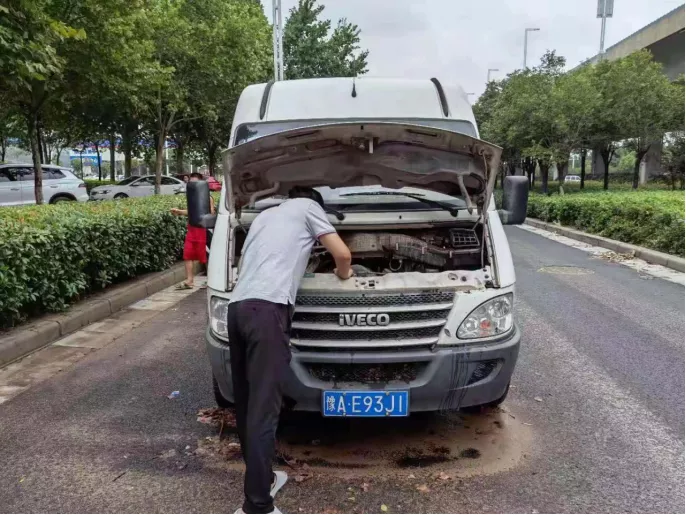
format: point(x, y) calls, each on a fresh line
point(260, 356)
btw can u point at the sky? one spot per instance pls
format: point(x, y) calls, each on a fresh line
point(458, 41)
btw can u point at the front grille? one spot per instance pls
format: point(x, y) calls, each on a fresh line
point(366, 372)
point(360, 335)
point(362, 300)
point(401, 316)
point(411, 319)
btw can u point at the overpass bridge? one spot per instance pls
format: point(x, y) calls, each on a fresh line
point(664, 38)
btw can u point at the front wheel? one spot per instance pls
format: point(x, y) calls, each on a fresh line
point(120, 196)
point(222, 401)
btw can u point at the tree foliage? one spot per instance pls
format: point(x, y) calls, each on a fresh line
point(311, 49)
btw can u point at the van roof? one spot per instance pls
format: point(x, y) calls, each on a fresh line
point(352, 98)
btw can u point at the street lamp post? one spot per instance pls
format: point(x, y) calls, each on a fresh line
point(277, 20)
point(605, 10)
point(488, 75)
point(526, 41)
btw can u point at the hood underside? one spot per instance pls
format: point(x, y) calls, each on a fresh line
point(392, 155)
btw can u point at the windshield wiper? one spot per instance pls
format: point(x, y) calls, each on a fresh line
point(417, 196)
point(340, 216)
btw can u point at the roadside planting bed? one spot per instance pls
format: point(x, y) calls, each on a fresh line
point(649, 217)
point(52, 255)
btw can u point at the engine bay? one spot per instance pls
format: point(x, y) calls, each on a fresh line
point(392, 251)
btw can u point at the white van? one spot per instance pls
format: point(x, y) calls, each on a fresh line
point(427, 322)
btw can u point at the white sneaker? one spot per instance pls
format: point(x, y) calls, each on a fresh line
point(280, 479)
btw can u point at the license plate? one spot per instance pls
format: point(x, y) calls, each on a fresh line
point(365, 404)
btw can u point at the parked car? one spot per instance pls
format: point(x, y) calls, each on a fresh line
point(59, 184)
point(428, 323)
point(137, 187)
point(572, 178)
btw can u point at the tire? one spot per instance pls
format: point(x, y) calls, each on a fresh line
point(489, 405)
point(222, 401)
point(120, 196)
point(61, 198)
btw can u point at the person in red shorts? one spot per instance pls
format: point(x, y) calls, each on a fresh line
point(194, 246)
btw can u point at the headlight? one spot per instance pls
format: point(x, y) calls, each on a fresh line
point(218, 314)
point(103, 192)
point(490, 319)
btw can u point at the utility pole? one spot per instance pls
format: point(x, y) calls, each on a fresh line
point(605, 10)
point(526, 41)
point(166, 157)
point(277, 38)
point(488, 75)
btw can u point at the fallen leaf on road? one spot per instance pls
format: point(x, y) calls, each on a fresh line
point(168, 454)
point(411, 476)
point(538, 399)
point(365, 487)
point(22, 480)
point(443, 476)
point(384, 508)
point(527, 424)
point(303, 477)
point(351, 498)
point(423, 489)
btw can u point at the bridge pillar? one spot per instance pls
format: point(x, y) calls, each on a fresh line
point(652, 162)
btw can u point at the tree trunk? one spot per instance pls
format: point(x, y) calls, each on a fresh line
point(212, 159)
point(544, 176)
point(640, 154)
point(113, 163)
point(3, 148)
point(38, 143)
point(97, 154)
point(32, 127)
point(126, 144)
point(180, 151)
point(583, 168)
point(159, 161)
point(606, 155)
point(562, 167)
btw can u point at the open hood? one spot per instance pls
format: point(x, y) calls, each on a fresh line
point(393, 155)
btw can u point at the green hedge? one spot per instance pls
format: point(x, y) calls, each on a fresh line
point(92, 183)
point(52, 255)
point(653, 219)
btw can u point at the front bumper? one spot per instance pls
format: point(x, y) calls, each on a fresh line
point(446, 378)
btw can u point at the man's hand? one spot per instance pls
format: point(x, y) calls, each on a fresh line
point(177, 211)
point(345, 278)
point(340, 253)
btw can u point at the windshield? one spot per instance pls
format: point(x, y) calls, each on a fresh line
point(374, 198)
point(127, 181)
point(249, 131)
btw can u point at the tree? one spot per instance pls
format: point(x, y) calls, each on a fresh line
point(31, 65)
point(673, 158)
point(640, 95)
point(312, 50)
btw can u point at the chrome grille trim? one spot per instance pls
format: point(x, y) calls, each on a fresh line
point(375, 299)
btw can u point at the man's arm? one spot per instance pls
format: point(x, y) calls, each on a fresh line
point(179, 212)
point(340, 253)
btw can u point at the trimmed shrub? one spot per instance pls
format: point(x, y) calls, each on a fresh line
point(653, 219)
point(52, 255)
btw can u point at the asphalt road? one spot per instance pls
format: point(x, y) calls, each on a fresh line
point(594, 423)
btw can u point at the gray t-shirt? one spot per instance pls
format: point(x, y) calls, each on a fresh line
point(277, 249)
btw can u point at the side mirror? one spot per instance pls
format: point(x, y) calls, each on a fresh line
point(515, 199)
point(198, 199)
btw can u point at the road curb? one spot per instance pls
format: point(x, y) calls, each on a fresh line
point(27, 339)
point(651, 256)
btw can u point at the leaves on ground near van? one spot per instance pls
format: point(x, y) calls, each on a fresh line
point(384, 508)
point(442, 476)
point(423, 489)
point(538, 399)
point(365, 487)
point(303, 476)
point(217, 416)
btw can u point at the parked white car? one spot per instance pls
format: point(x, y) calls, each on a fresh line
point(137, 187)
point(573, 178)
point(59, 184)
